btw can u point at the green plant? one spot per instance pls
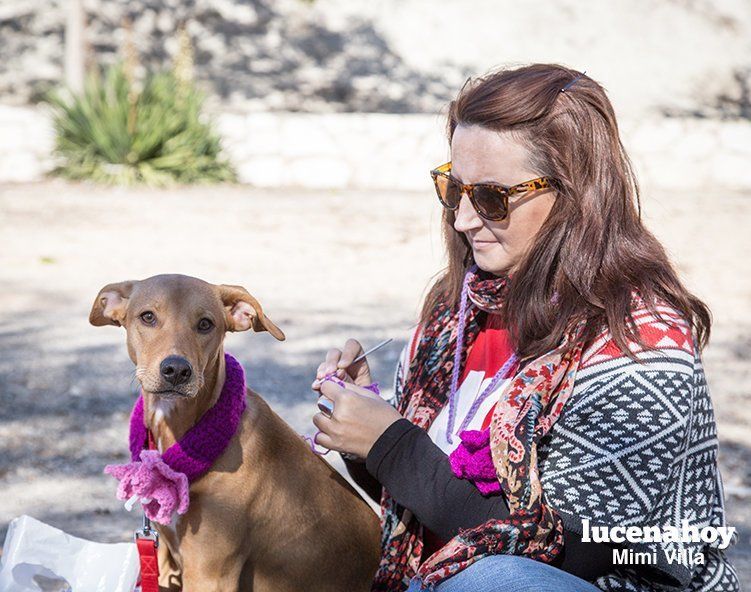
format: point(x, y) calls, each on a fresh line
point(114, 133)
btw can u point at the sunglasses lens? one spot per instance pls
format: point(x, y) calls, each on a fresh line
point(490, 202)
point(448, 191)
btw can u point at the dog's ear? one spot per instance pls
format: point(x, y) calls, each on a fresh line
point(111, 303)
point(243, 312)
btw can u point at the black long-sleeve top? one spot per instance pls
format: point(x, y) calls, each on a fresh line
point(417, 474)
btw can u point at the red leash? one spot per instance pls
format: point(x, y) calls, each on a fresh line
point(147, 543)
point(148, 558)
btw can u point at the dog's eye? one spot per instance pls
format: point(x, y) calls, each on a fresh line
point(205, 325)
point(148, 317)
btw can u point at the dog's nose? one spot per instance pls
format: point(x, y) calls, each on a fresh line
point(175, 370)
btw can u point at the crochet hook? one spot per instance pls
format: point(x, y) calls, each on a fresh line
point(372, 349)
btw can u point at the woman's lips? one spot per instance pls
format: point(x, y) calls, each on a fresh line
point(480, 244)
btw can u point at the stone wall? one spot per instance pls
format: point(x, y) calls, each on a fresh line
point(338, 150)
point(396, 151)
point(26, 142)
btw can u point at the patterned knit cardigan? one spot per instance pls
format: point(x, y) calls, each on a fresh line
point(636, 444)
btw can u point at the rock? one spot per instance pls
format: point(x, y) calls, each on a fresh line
point(280, 56)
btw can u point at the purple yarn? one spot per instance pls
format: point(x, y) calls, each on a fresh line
point(373, 388)
point(196, 451)
point(312, 443)
point(502, 373)
point(463, 299)
point(332, 377)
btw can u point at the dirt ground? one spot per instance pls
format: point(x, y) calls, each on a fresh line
point(325, 266)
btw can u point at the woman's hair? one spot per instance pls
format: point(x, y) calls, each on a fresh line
point(593, 249)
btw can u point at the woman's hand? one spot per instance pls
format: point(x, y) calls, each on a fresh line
point(340, 363)
point(358, 420)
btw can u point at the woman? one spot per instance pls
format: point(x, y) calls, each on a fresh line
point(554, 381)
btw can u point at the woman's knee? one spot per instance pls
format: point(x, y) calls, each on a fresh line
point(496, 572)
point(512, 573)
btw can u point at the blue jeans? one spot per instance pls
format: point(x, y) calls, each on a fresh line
point(511, 573)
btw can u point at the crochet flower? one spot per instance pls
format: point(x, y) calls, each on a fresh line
point(151, 478)
point(473, 461)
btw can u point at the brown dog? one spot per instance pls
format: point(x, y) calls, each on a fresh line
point(269, 515)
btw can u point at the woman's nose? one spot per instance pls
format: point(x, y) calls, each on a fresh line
point(466, 217)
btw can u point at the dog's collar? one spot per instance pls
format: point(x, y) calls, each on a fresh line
point(196, 451)
point(161, 481)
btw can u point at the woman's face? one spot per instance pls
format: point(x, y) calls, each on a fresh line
point(480, 155)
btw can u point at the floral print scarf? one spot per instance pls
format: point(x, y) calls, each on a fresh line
point(530, 404)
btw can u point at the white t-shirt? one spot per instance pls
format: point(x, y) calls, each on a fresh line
point(488, 354)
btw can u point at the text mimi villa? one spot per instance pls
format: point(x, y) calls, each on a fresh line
point(717, 536)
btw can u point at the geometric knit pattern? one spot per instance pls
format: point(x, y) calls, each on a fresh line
point(636, 444)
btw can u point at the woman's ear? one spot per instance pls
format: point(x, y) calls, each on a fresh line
point(243, 312)
point(111, 304)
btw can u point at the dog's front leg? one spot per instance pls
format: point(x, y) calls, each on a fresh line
point(169, 572)
point(210, 566)
point(207, 576)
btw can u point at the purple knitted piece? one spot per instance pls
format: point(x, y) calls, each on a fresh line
point(161, 490)
point(472, 460)
point(161, 481)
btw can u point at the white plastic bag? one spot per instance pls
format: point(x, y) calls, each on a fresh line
point(38, 557)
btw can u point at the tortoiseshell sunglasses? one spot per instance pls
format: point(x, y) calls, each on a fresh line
point(490, 200)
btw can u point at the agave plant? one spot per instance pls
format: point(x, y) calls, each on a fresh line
point(113, 133)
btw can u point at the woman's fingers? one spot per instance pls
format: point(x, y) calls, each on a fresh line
point(352, 349)
point(331, 390)
point(358, 372)
point(323, 423)
point(323, 439)
point(357, 422)
point(333, 355)
point(329, 366)
point(316, 384)
point(341, 363)
point(326, 432)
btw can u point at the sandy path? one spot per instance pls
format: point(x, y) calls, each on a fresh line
point(325, 266)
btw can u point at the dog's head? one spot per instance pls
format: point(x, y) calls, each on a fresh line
point(175, 326)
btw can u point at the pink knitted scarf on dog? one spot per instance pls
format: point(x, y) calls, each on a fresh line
point(163, 479)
